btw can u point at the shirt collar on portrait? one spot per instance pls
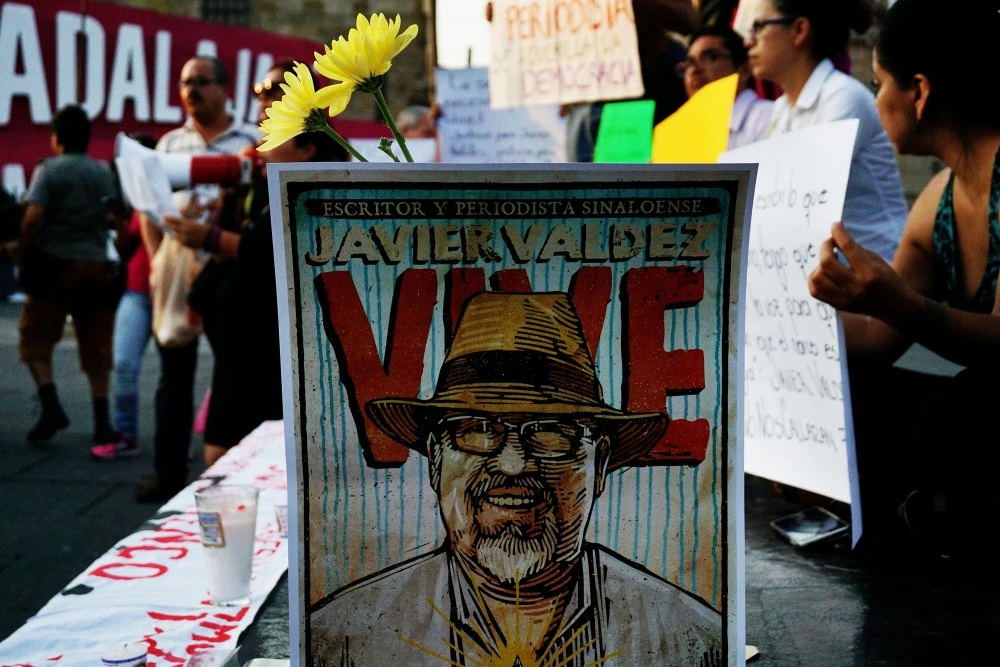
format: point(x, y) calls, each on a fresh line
point(470, 619)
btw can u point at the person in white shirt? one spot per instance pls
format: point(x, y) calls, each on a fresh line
point(714, 53)
point(204, 88)
point(791, 43)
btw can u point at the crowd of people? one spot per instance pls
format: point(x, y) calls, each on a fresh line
point(928, 274)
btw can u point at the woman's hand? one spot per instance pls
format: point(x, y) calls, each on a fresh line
point(867, 285)
point(189, 232)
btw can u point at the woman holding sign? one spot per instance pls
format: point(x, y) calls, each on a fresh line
point(792, 43)
point(941, 289)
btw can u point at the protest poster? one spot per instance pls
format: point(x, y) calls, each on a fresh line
point(470, 131)
point(513, 401)
point(626, 132)
point(798, 427)
point(699, 131)
point(562, 51)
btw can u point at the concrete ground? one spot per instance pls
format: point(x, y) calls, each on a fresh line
point(59, 511)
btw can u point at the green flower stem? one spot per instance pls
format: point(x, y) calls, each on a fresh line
point(385, 147)
point(343, 142)
point(384, 109)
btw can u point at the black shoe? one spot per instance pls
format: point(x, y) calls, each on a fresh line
point(155, 490)
point(47, 425)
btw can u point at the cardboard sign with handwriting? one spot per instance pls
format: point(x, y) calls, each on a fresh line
point(470, 131)
point(798, 426)
point(563, 51)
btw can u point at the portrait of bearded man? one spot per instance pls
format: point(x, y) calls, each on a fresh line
point(519, 443)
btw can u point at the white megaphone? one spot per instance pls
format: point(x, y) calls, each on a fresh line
point(185, 170)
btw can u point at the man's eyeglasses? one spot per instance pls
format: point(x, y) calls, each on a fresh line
point(196, 82)
point(542, 438)
point(267, 88)
point(759, 25)
point(703, 59)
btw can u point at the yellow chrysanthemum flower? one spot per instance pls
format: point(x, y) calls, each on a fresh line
point(301, 107)
point(367, 52)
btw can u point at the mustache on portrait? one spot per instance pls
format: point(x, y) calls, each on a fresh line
point(495, 481)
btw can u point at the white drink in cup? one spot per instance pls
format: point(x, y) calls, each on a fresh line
point(227, 515)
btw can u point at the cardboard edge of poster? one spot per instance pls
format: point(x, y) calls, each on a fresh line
point(280, 238)
point(737, 653)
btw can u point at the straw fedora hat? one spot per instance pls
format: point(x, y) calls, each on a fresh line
point(519, 353)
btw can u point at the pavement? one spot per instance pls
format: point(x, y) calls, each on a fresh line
point(59, 508)
point(815, 606)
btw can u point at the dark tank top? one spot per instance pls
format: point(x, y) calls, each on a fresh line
point(946, 251)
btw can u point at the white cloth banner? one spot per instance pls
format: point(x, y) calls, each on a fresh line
point(152, 586)
point(797, 421)
point(470, 131)
point(559, 52)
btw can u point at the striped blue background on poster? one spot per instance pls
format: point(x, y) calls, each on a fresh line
point(669, 519)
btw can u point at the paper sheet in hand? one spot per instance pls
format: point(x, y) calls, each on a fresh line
point(146, 186)
point(797, 421)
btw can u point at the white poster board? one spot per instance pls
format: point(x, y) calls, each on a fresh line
point(553, 51)
point(797, 420)
point(470, 131)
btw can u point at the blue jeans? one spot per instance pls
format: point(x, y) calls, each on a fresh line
point(132, 333)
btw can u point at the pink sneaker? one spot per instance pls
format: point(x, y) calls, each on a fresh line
point(124, 448)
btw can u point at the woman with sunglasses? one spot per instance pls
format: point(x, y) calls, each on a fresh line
point(941, 289)
point(239, 303)
point(791, 43)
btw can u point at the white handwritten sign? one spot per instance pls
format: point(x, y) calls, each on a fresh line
point(796, 417)
point(470, 131)
point(563, 51)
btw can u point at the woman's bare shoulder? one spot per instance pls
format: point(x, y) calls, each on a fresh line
point(924, 211)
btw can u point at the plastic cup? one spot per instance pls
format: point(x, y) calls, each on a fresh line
point(125, 655)
point(227, 515)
